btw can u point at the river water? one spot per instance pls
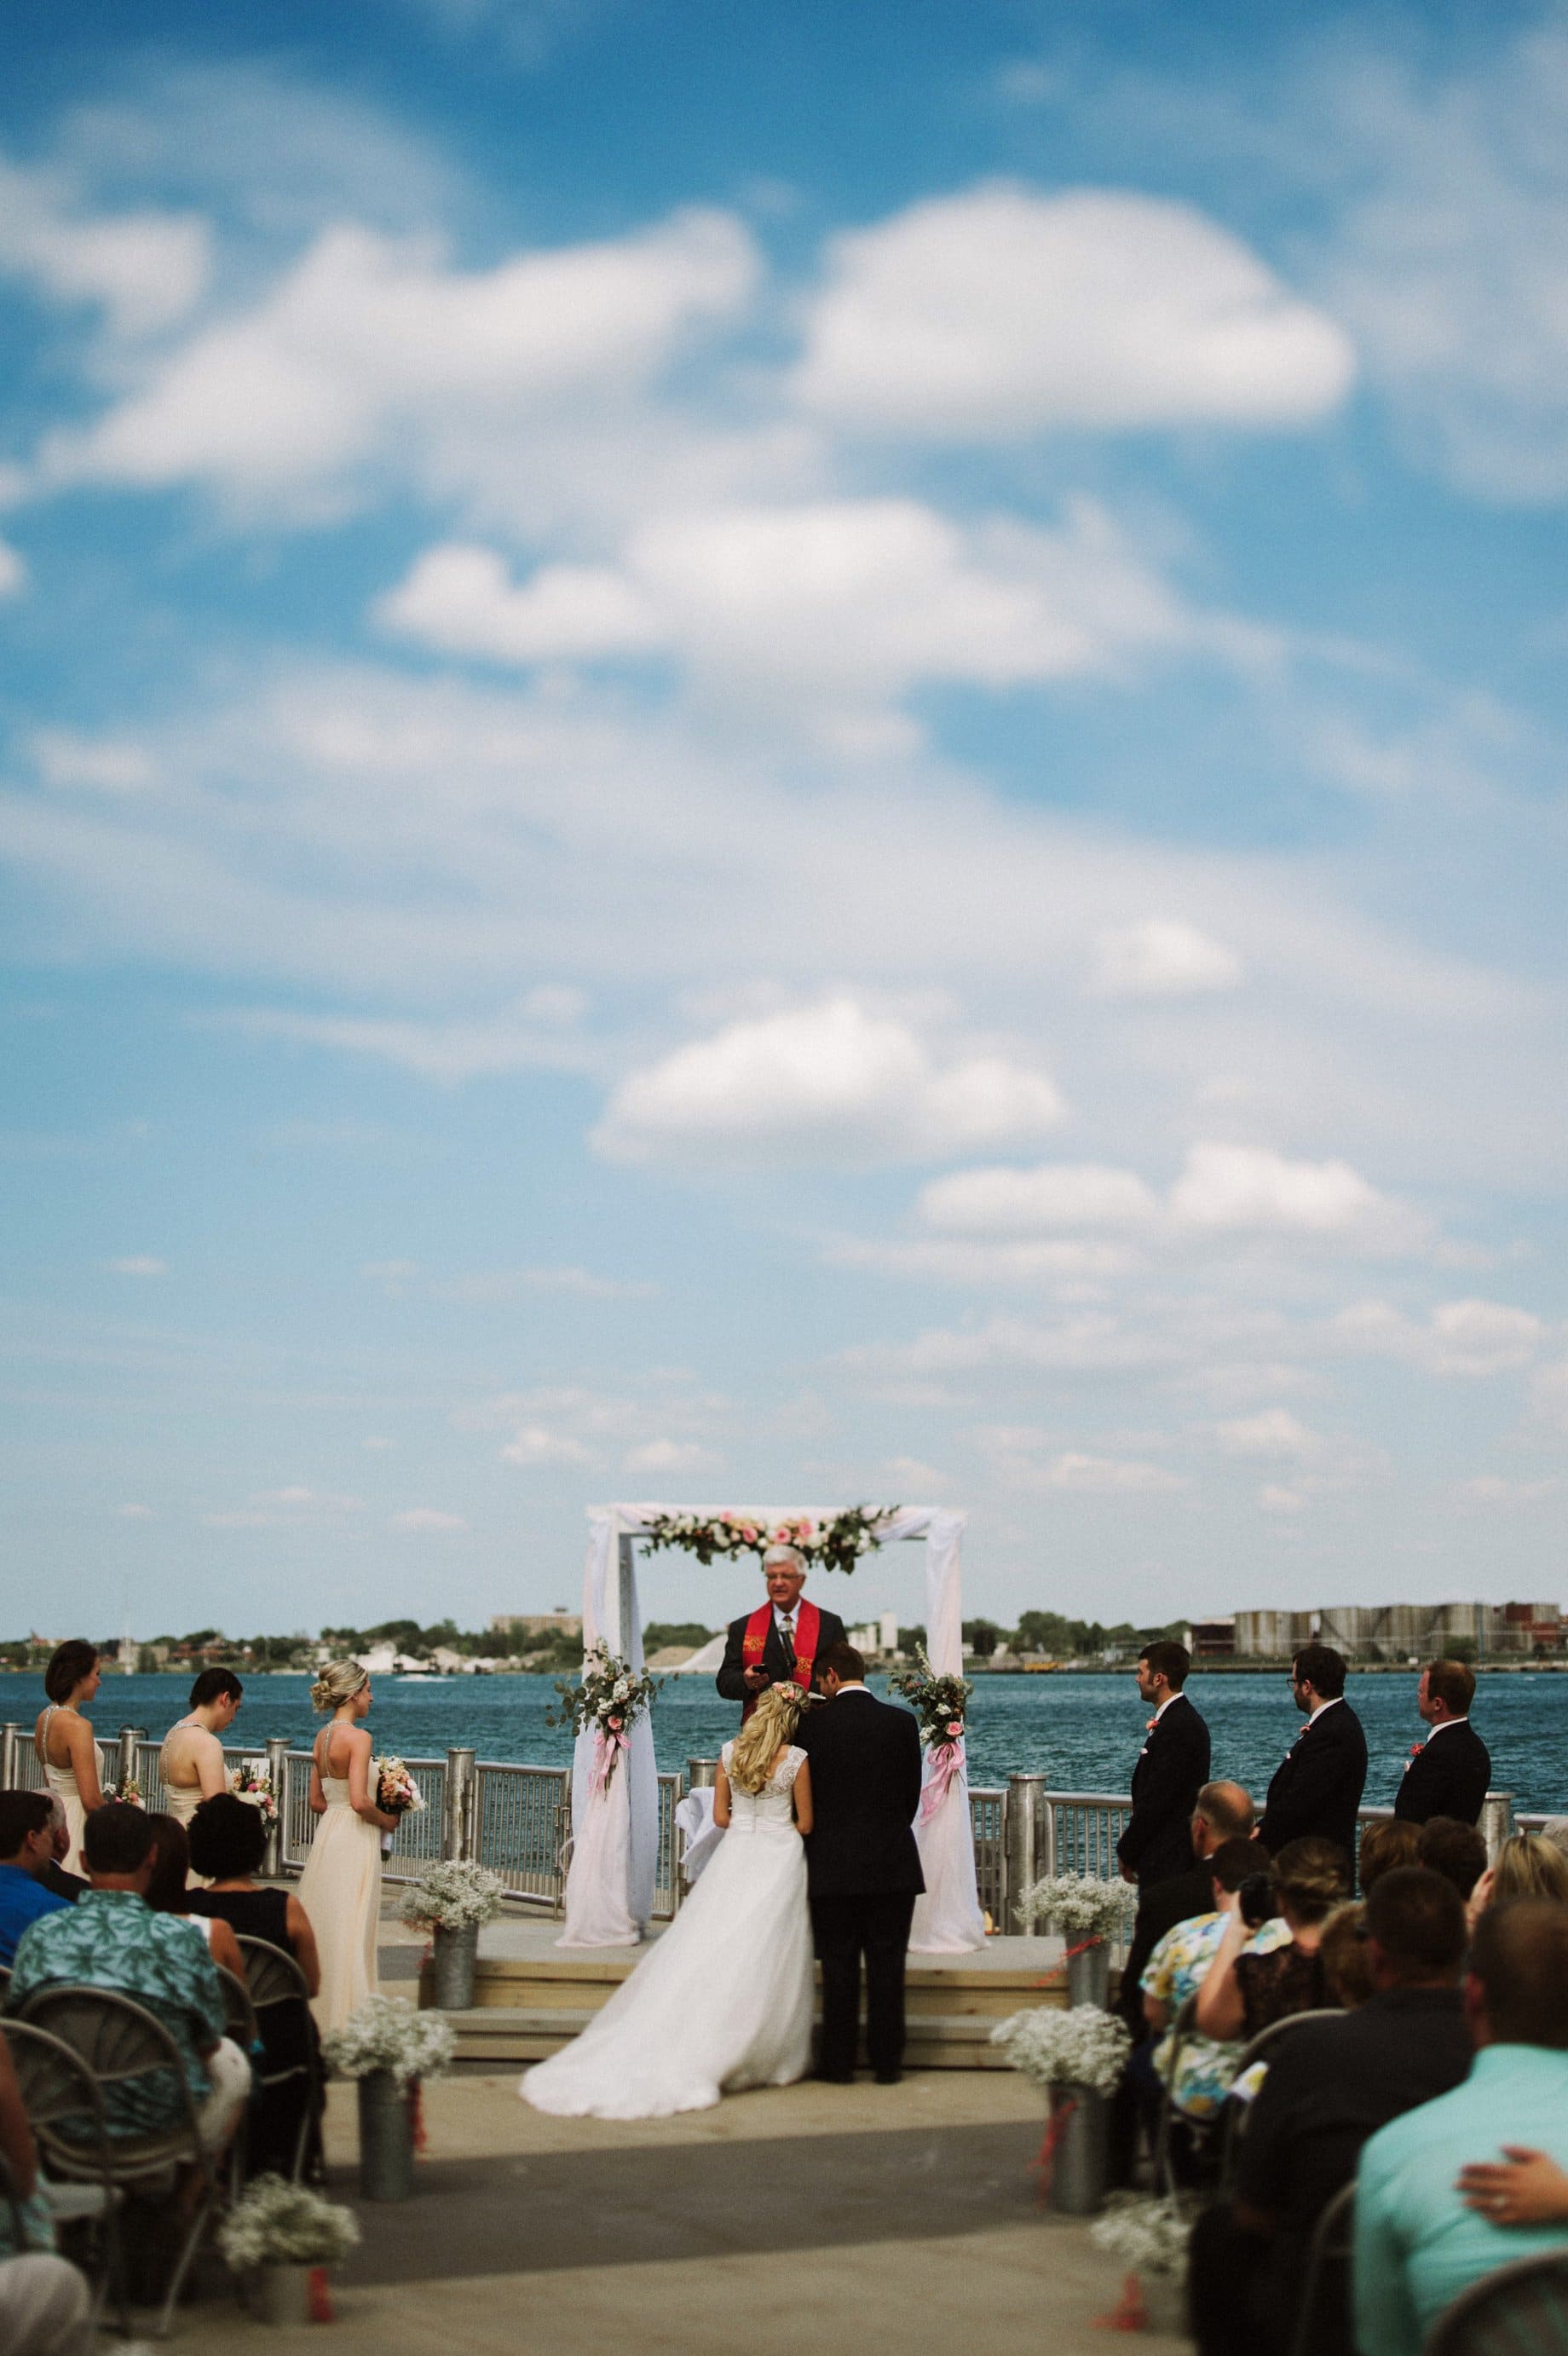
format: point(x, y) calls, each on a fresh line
point(1082, 1732)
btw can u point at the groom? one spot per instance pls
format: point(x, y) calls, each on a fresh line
point(863, 1870)
point(783, 1638)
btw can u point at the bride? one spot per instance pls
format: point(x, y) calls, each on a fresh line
point(723, 1999)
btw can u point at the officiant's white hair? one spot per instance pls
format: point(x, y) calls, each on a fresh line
point(784, 1554)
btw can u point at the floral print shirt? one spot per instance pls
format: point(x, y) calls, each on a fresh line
point(112, 1939)
point(1175, 1971)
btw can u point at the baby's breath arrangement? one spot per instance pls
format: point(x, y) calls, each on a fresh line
point(1084, 2047)
point(278, 2224)
point(1151, 2237)
point(1079, 1902)
point(452, 1895)
point(387, 2033)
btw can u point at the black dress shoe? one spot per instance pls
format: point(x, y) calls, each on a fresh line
point(836, 2077)
point(889, 2078)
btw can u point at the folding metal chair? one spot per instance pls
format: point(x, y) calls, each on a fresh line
point(275, 1981)
point(121, 2044)
point(1333, 2242)
point(1520, 2310)
point(65, 2112)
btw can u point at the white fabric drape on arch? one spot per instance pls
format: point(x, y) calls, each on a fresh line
point(610, 1881)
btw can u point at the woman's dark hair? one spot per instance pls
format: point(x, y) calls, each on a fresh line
point(1310, 1879)
point(1456, 1850)
point(212, 1685)
point(166, 1890)
point(1388, 1844)
point(69, 1664)
point(228, 1838)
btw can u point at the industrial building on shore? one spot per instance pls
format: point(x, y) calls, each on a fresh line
point(1387, 1632)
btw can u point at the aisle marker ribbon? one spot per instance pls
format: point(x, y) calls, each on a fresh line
point(1055, 2128)
point(946, 1766)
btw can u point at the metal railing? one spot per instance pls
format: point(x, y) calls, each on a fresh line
point(518, 1820)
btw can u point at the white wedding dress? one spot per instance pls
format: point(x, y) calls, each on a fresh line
point(722, 2000)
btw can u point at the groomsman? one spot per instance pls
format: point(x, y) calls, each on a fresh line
point(1172, 1769)
point(1448, 1778)
point(1316, 1788)
point(783, 1638)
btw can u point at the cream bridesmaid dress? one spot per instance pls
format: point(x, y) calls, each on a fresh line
point(340, 1889)
point(61, 1781)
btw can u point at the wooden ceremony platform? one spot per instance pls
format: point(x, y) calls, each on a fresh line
point(533, 1996)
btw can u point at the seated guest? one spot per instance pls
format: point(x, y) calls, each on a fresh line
point(169, 1892)
point(21, 2157)
point(112, 1939)
point(1527, 1867)
point(1176, 1969)
point(1419, 2242)
point(1386, 1842)
point(1346, 1963)
point(1330, 2085)
point(1457, 1851)
point(227, 1838)
point(1248, 1986)
point(26, 1847)
point(1224, 1813)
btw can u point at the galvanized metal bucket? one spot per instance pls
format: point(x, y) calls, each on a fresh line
point(281, 2294)
point(1080, 2150)
point(452, 1965)
point(1088, 1971)
point(386, 2138)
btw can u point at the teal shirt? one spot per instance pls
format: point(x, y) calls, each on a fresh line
point(1417, 2245)
point(112, 1939)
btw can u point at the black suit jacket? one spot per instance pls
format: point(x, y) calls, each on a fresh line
point(1317, 1786)
point(1448, 1776)
point(69, 1886)
point(865, 1789)
point(1171, 1770)
point(732, 1677)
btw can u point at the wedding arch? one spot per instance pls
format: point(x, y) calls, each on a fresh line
point(609, 1884)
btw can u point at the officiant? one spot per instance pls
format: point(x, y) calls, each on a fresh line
point(782, 1638)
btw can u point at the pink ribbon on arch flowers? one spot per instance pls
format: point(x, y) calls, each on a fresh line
point(946, 1766)
point(607, 1741)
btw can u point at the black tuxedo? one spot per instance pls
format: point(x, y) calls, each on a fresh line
point(1171, 1770)
point(1317, 1786)
point(69, 1886)
point(732, 1677)
point(1448, 1776)
point(863, 1870)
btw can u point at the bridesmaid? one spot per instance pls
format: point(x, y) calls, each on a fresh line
point(191, 1761)
point(63, 1739)
point(341, 1887)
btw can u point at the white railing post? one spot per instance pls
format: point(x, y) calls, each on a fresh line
point(277, 1831)
point(10, 1745)
point(700, 1772)
point(457, 1805)
point(1496, 1823)
point(125, 1765)
point(1026, 1839)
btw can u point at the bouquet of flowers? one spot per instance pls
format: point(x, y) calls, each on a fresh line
point(836, 1544)
point(1151, 2237)
point(129, 1790)
point(396, 1794)
point(940, 1705)
point(388, 2033)
point(1084, 2047)
point(610, 1699)
point(452, 1895)
point(1085, 1903)
point(252, 1783)
point(278, 2224)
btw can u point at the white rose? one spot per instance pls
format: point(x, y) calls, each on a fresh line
point(622, 1687)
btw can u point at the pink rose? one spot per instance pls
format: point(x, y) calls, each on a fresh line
point(782, 1535)
point(955, 1726)
point(750, 1533)
point(615, 1726)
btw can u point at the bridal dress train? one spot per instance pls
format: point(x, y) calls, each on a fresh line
point(722, 2000)
point(340, 1889)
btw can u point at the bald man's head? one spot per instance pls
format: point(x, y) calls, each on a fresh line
point(1224, 1812)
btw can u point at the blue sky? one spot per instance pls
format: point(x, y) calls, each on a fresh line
point(782, 758)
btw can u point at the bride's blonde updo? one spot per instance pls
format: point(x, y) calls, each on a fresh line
point(338, 1683)
point(771, 1725)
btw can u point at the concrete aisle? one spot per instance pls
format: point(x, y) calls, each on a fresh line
point(845, 2219)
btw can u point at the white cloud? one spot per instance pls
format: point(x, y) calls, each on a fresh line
point(1272, 1499)
point(291, 1508)
point(376, 349)
point(539, 1034)
point(1274, 1431)
point(507, 1284)
point(1108, 1476)
point(1162, 958)
point(1072, 1269)
point(1490, 1489)
point(137, 1264)
point(1090, 1343)
point(134, 1512)
point(12, 571)
point(535, 1444)
point(1004, 311)
point(1249, 1189)
point(671, 1456)
point(418, 1520)
point(1460, 1337)
point(145, 270)
point(833, 1083)
point(1548, 1396)
point(1003, 1202)
point(823, 611)
point(99, 764)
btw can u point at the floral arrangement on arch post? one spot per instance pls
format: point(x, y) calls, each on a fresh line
point(941, 1705)
point(837, 1543)
point(606, 1702)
